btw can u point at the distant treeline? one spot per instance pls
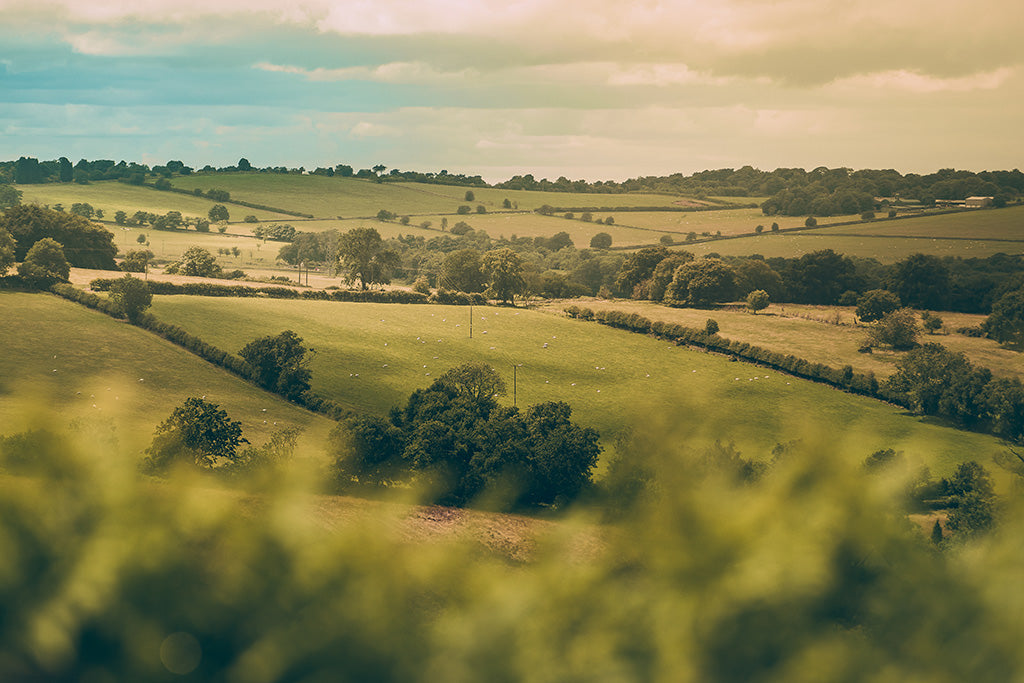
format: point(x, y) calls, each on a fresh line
point(792, 191)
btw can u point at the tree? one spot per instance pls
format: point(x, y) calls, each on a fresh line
point(136, 260)
point(601, 240)
point(711, 327)
point(936, 381)
point(477, 381)
point(279, 364)
point(757, 300)
point(244, 165)
point(120, 217)
point(218, 212)
point(822, 276)
point(363, 253)
point(9, 196)
point(198, 262)
point(65, 172)
point(470, 197)
point(86, 245)
point(897, 329)
point(130, 297)
point(462, 271)
point(504, 271)
point(922, 281)
point(701, 283)
point(560, 240)
point(659, 281)
point(6, 251)
point(561, 455)
point(1005, 323)
point(638, 267)
point(932, 323)
point(196, 433)
point(45, 264)
point(875, 304)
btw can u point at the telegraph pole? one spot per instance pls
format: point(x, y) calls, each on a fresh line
point(471, 321)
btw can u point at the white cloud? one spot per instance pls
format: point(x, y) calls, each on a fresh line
point(392, 72)
point(906, 81)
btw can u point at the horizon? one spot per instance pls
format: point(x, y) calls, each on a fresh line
point(604, 91)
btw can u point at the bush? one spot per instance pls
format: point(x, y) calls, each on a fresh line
point(421, 285)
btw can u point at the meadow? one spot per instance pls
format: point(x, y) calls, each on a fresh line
point(334, 197)
point(83, 364)
point(820, 334)
point(112, 196)
point(371, 356)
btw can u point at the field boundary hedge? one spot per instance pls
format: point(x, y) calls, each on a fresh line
point(239, 202)
point(193, 344)
point(396, 296)
point(841, 378)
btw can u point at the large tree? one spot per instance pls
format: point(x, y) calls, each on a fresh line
point(701, 283)
point(279, 363)
point(86, 245)
point(922, 281)
point(363, 253)
point(504, 270)
point(1006, 322)
point(461, 271)
point(44, 264)
point(9, 196)
point(822, 276)
point(6, 251)
point(130, 297)
point(196, 433)
point(196, 261)
point(638, 267)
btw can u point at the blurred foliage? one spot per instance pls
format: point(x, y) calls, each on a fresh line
point(810, 571)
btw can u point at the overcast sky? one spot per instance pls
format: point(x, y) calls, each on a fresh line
point(595, 89)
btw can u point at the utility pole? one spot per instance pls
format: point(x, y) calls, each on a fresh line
point(471, 321)
point(514, 396)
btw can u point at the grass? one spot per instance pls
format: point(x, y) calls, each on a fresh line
point(112, 196)
point(351, 197)
point(821, 334)
point(371, 356)
point(968, 234)
point(72, 358)
point(726, 221)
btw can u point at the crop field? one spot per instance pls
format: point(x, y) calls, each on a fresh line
point(371, 356)
point(112, 196)
point(820, 334)
point(84, 364)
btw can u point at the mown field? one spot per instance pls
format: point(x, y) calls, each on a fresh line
point(726, 221)
point(820, 334)
point(83, 364)
point(370, 357)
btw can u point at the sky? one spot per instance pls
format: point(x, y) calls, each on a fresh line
point(587, 89)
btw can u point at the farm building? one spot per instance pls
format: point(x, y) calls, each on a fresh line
point(977, 202)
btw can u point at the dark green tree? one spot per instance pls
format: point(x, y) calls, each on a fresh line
point(45, 264)
point(137, 260)
point(757, 300)
point(7, 248)
point(9, 196)
point(196, 433)
point(279, 364)
point(364, 255)
point(898, 329)
point(1005, 323)
point(130, 296)
point(875, 304)
point(701, 283)
point(601, 240)
point(218, 212)
point(86, 245)
point(638, 267)
point(922, 281)
point(504, 271)
point(462, 271)
point(198, 262)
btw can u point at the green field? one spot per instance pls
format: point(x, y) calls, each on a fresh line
point(819, 334)
point(371, 356)
point(70, 359)
point(112, 196)
point(966, 234)
point(726, 221)
point(351, 197)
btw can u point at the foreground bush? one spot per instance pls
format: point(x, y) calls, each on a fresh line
point(811, 573)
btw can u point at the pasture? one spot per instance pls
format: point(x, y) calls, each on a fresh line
point(112, 196)
point(335, 197)
point(819, 334)
point(369, 357)
point(83, 364)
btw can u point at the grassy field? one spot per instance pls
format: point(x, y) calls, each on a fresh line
point(970, 234)
point(371, 356)
point(726, 221)
point(112, 196)
point(820, 334)
point(85, 364)
point(350, 197)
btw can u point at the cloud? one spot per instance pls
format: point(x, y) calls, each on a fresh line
point(902, 80)
point(393, 72)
